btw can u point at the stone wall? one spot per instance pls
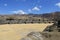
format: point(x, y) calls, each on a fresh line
point(20, 21)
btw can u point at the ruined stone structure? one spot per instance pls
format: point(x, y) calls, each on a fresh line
point(53, 28)
point(33, 36)
point(29, 20)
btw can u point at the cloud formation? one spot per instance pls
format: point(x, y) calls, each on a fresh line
point(29, 10)
point(58, 4)
point(5, 4)
point(19, 12)
point(36, 8)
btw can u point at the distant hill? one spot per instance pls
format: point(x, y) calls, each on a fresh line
point(52, 16)
point(30, 18)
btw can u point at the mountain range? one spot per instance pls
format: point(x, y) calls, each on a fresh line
point(50, 16)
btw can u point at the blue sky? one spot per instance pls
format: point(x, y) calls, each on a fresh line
point(29, 6)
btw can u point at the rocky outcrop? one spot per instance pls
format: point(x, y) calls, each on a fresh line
point(33, 36)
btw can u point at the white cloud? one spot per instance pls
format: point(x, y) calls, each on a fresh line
point(19, 12)
point(29, 10)
point(5, 4)
point(20, 0)
point(24, 0)
point(17, 0)
point(58, 4)
point(36, 8)
point(40, 6)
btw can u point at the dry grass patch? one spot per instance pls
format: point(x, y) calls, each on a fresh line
point(17, 31)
